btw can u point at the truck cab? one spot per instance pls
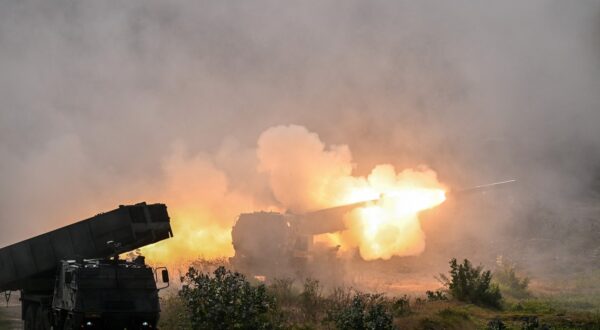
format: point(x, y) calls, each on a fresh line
point(106, 294)
point(72, 277)
point(97, 294)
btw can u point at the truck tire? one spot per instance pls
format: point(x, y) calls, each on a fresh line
point(31, 318)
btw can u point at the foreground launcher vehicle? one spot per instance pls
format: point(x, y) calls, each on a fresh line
point(72, 278)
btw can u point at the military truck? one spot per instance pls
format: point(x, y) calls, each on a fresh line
point(73, 278)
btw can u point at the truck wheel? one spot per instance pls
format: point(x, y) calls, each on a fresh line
point(31, 318)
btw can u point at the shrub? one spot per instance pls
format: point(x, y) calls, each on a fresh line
point(401, 306)
point(378, 317)
point(339, 297)
point(283, 290)
point(530, 322)
point(310, 299)
point(472, 284)
point(437, 295)
point(420, 301)
point(226, 301)
point(496, 324)
point(364, 312)
point(509, 283)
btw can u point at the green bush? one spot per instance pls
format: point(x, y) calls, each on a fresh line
point(472, 284)
point(437, 295)
point(227, 300)
point(508, 280)
point(530, 323)
point(496, 324)
point(364, 312)
point(340, 296)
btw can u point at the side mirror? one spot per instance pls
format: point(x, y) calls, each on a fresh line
point(165, 276)
point(68, 277)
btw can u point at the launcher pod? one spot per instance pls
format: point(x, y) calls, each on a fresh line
point(72, 277)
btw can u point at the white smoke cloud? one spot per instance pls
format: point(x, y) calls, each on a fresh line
point(303, 173)
point(93, 96)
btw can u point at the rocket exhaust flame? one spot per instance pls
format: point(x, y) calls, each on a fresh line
point(390, 226)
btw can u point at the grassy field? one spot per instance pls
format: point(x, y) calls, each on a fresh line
point(435, 315)
point(571, 302)
point(557, 303)
point(527, 314)
point(533, 313)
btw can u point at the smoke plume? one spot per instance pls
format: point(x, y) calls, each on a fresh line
point(104, 104)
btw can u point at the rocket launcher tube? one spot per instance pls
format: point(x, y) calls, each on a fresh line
point(328, 220)
point(331, 220)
